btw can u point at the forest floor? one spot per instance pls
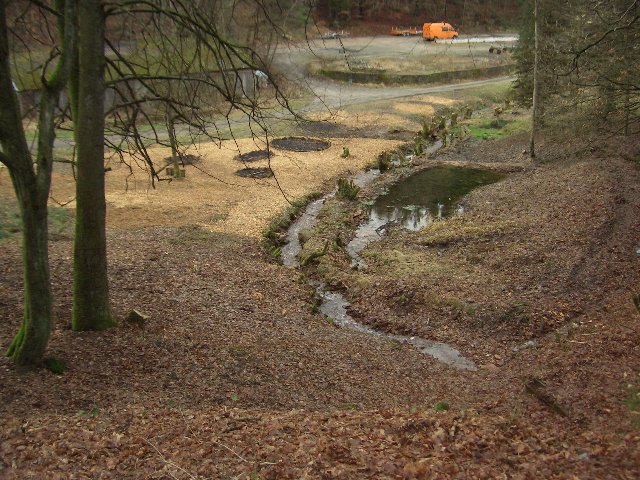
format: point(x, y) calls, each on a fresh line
point(235, 375)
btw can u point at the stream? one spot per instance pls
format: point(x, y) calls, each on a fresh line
point(413, 203)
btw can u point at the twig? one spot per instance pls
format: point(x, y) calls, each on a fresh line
point(536, 387)
point(231, 450)
point(225, 446)
point(169, 462)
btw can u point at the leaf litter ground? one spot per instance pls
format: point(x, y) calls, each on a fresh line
point(235, 376)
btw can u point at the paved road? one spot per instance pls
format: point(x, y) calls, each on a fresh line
point(294, 62)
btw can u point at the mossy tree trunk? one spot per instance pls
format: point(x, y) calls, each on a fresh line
point(28, 346)
point(91, 309)
point(31, 179)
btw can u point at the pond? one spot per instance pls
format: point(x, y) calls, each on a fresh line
point(414, 203)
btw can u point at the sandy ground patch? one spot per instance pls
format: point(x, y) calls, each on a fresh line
point(415, 108)
point(214, 197)
point(434, 100)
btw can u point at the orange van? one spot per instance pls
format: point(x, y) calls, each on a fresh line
point(438, 31)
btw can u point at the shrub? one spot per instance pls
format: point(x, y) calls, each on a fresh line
point(427, 128)
point(347, 189)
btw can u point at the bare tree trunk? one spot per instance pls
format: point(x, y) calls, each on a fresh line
point(536, 87)
point(91, 309)
point(32, 185)
point(173, 141)
point(627, 90)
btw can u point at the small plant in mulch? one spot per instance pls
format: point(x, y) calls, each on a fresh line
point(347, 189)
point(94, 412)
point(55, 365)
point(254, 156)
point(301, 144)
point(255, 172)
point(427, 129)
point(345, 152)
point(175, 405)
point(441, 407)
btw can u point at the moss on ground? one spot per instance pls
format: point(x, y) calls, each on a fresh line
point(60, 220)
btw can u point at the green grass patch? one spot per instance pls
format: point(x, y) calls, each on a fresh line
point(499, 128)
point(632, 402)
point(60, 220)
point(10, 221)
point(31, 134)
point(485, 95)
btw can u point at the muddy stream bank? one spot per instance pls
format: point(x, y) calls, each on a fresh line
point(413, 203)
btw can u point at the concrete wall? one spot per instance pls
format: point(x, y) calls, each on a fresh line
point(440, 77)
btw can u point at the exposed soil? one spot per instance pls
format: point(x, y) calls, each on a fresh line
point(301, 144)
point(235, 376)
point(261, 172)
point(255, 155)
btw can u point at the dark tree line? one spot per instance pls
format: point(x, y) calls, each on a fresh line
point(488, 14)
point(589, 62)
